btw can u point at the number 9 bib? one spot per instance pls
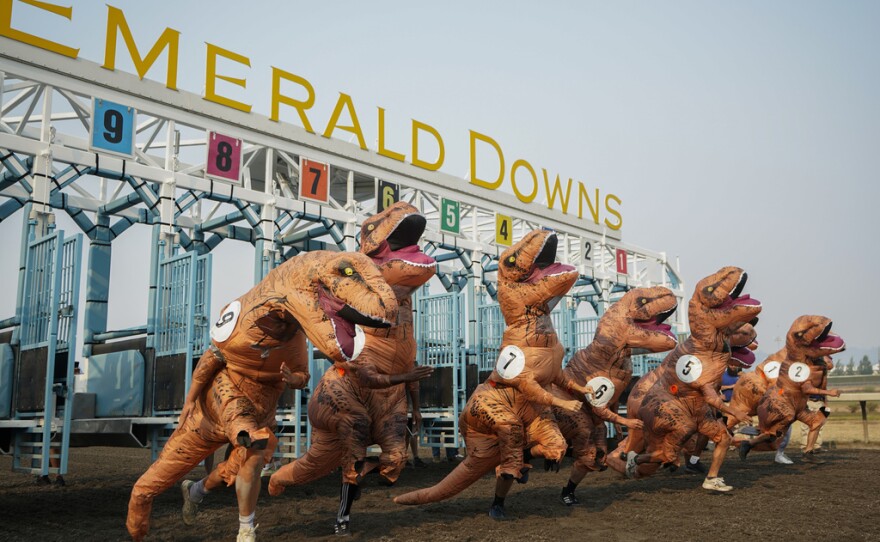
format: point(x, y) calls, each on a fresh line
point(798, 372)
point(688, 368)
point(222, 328)
point(603, 391)
point(771, 369)
point(511, 362)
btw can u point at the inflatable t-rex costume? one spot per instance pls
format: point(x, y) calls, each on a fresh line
point(238, 380)
point(634, 321)
point(802, 373)
point(350, 410)
point(676, 399)
point(509, 411)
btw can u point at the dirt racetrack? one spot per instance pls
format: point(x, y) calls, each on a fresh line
point(835, 501)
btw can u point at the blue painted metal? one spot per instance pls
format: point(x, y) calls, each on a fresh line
point(49, 320)
point(440, 343)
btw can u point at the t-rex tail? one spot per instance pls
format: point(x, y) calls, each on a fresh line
point(465, 473)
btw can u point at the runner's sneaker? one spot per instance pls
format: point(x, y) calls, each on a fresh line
point(694, 467)
point(497, 512)
point(569, 499)
point(247, 534)
point(744, 450)
point(631, 464)
point(783, 459)
point(341, 528)
point(190, 507)
point(716, 484)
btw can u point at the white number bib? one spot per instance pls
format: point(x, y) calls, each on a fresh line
point(603, 391)
point(222, 328)
point(771, 369)
point(798, 372)
point(511, 362)
point(688, 368)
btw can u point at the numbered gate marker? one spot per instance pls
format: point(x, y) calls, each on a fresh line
point(387, 194)
point(503, 230)
point(586, 252)
point(112, 128)
point(450, 216)
point(314, 181)
point(224, 158)
point(621, 261)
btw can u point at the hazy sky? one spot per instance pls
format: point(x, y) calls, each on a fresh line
point(735, 133)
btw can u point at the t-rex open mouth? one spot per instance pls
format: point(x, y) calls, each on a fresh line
point(827, 340)
point(545, 264)
point(742, 356)
point(346, 322)
point(402, 244)
point(734, 298)
point(656, 324)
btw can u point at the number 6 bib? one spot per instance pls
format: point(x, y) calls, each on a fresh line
point(511, 362)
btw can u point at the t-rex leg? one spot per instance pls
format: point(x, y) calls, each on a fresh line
point(184, 450)
point(577, 428)
point(546, 439)
point(388, 414)
point(324, 454)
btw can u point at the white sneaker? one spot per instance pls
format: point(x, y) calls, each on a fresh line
point(631, 465)
point(190, 507)
point(716, 484)
point(783, 459)
point(247, 534)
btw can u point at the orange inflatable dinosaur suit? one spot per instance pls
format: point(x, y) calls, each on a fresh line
point(324, 296)
point(802, 372)
point(634, 321)
point(362, 404)
point(675, 400)
point(509, 411)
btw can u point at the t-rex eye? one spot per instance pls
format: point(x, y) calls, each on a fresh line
point(643, 301)
point(710, 288)
point(371, 227)
point(348, 271)
point(512, 259)
point(799, 334)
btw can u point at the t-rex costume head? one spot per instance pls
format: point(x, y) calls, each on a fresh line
point(530, 284)
point(742, 343)
point(324, 294)
point(810, 337)
point(391, 239)
point(717, 303)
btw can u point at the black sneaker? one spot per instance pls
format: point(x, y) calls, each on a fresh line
point(418, 463)
point(744, 449)
point(696, 468)
point(43, 480)
point(523, 475)
point(569, 499)
point(496, 511)
point(59, 481)
point(342, 528)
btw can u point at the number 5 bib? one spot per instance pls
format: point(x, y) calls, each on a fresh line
point(688, 368)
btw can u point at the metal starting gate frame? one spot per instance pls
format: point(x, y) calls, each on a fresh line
point(52, 162)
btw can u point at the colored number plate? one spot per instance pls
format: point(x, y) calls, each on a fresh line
point(603, 391)
point(224, 157)
point(688, 368)
point(112, 128)
point(224, 325)
point(798, 372)
point(387, 194)
point(314, 181)
point(503, 230)
point(511, 362)
point(450, 217)
point(621, 261)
